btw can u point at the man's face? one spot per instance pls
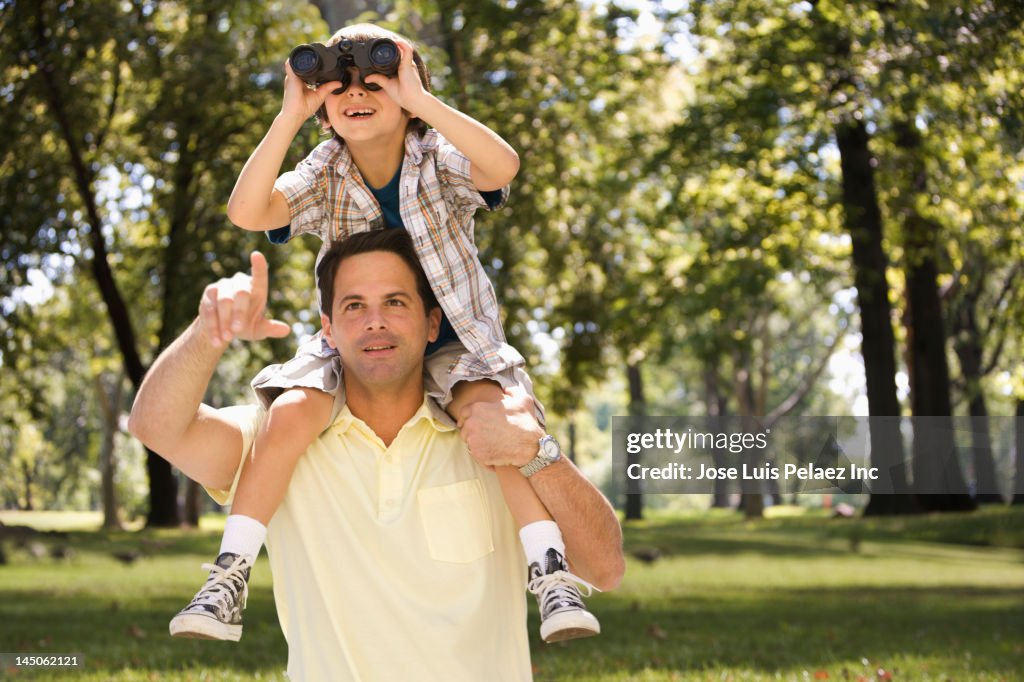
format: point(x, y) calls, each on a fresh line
point(379, 324)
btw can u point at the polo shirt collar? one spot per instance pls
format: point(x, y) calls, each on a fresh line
point(428, 411)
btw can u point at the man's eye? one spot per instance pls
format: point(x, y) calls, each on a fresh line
point(353, 306)
point(396, 302)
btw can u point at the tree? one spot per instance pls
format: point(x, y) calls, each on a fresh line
point(135, 147)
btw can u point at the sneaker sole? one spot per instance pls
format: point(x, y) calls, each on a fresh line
point(191, 626)
point(562, 627)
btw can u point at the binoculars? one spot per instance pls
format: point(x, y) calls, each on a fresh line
point(316, 63)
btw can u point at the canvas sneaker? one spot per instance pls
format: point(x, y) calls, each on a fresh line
point(216, 610)
point(562, 613)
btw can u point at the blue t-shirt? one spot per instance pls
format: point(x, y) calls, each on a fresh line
point(387, 197)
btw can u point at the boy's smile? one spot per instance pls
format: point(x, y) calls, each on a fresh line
point(359, 112)
point(361, 115)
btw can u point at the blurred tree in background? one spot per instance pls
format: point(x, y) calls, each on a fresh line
point(718, 202)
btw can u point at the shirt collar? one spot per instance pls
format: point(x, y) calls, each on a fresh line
point(415, 148)
point(428, 411)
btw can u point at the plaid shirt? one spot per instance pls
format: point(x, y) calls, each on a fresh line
point(327, 196)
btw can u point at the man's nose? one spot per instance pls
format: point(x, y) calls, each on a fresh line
point(374, 318)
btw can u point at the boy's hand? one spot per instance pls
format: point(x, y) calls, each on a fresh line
point(406, 88)
point(235, 307)
point(502, 434)
point(300, 101)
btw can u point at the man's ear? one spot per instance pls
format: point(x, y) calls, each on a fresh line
point(433, 324)
point(325, 322)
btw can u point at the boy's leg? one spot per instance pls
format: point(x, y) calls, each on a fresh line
point(563, 615)
point(294, 420)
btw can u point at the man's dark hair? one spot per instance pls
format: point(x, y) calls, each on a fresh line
point(392, 240)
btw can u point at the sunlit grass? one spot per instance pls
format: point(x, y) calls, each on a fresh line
point(796, 597)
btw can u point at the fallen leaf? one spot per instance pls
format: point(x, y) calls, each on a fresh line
point(136, 632)
point(656, 632)
point(821, 675)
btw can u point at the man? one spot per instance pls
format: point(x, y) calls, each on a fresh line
point(393, 553)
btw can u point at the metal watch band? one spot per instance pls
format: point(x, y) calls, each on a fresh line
point(542, 459)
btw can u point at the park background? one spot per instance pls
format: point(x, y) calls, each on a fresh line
point(753, 208)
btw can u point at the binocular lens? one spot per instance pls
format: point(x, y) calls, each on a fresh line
point(305, 60)
point(384, 53)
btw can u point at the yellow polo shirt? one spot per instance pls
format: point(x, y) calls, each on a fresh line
point(395, 563)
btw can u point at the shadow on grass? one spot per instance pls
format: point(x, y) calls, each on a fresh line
point(128, 545)
point(724, 533)
point(688, 613)
point(790, 630)
point(115, 632)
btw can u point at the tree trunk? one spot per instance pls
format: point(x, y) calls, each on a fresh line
point(716, 406)
point(751, 492)
point(968, 349)
point(891, 492)
point(338, 13)
point(163, 510)
point(26, 472)
point(637, 410)
point(938, 481)
point(572, 437)
point(110, 406)
point(193, 503)
point(1018, 450)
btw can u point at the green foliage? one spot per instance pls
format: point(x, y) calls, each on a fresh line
point(126, 125)
point(677, 208)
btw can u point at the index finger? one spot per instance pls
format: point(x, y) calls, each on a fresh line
point(406, 51)
point(260, 278)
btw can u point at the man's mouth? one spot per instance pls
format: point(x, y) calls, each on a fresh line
point(378, 348)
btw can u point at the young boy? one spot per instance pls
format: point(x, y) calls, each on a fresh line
point(382, 170)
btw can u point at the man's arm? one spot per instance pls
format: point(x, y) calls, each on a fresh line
point(169, 418)
point(507, 434)
point(493, 162)
point(168, 415)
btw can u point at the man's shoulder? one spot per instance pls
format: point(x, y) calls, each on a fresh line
point(246, 416)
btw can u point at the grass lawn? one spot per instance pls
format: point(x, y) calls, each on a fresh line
point(797, 597)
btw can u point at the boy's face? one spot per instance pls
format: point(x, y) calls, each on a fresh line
point(361, 115)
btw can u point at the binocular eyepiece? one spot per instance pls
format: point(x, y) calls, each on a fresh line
point(316, 63)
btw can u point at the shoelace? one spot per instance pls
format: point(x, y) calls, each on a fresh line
point(544, 585)
point(225, 575)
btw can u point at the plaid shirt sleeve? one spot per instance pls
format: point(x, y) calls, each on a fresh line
point(303, 189)
point(457, 185)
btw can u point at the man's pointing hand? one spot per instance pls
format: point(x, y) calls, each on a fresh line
point(236, 306)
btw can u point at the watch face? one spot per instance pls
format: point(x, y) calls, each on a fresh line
point(549, 446)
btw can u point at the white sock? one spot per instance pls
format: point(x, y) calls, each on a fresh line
point(243, 535)
point(538, 537)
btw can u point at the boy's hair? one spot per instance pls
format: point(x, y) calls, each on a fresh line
point(392, 240)
point(364, 32)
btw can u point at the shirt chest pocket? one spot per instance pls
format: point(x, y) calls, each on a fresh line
point(456, 521)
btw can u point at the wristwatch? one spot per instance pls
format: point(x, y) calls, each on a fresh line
point(548, 453)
